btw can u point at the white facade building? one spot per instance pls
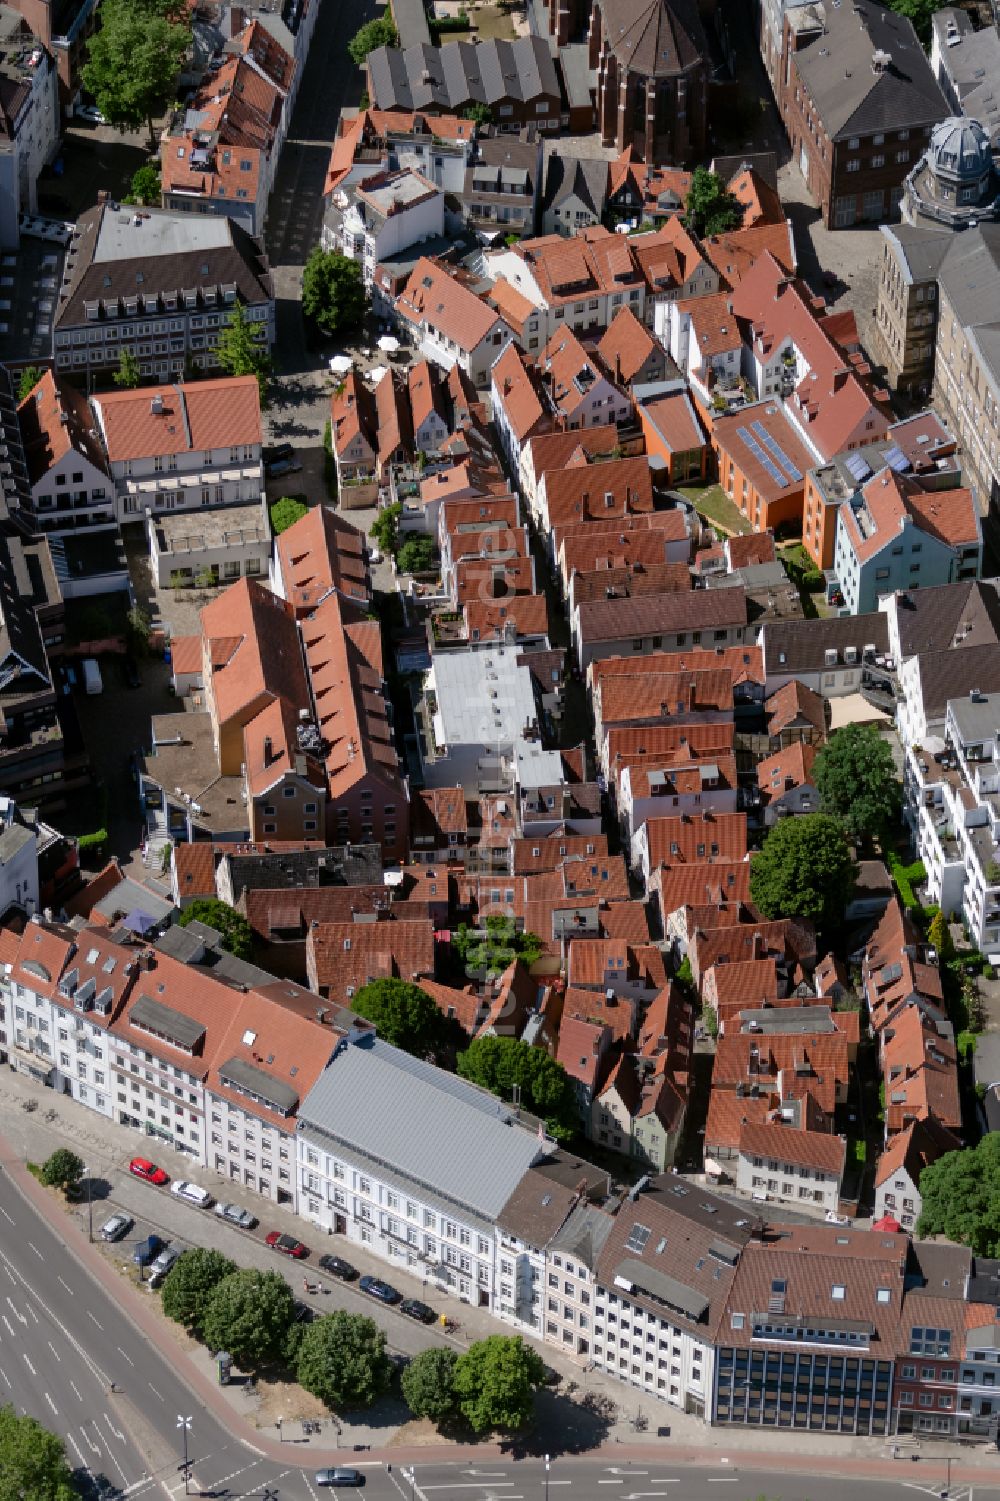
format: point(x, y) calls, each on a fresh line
point(377, 1163)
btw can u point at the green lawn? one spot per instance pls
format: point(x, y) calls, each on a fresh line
point(491, 22)
point(715, 507)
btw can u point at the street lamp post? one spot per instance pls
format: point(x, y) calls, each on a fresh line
point(90, 1207)
point(281, 1436)
point(184, 1424)
point(947, 1484)
point(546, 1478)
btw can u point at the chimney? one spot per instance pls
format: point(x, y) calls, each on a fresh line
point(757, 949)
point(692, 694)
point(268, 750)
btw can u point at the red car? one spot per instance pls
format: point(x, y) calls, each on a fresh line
point(287, 1244)
point(143, 1168)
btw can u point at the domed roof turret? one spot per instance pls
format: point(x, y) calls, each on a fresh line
point(959, 148)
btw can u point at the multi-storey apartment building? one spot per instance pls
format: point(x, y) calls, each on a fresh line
point(182, 447)
point(377, 1163)
point(161, 285)
point(30, 133)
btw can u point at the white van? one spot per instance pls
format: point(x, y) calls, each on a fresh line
point(92, 676)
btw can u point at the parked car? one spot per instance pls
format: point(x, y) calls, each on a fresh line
point(338, 1267)
point(286, 1244)
point(91, 113)
point(192, 1193)
point(145, 1251)
point(301, 1312)
point(162, 1265)
point(338, 1477)
point(234, 1214)
point(274, 451)
point(376, 1288)
point(282, 466)
point(117, 1226)
point(141, 1167)
point(414, 1309)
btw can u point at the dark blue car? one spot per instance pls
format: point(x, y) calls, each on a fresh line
point(376, 1288)
point(147, 1250)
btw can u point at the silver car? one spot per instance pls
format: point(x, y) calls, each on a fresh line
point(162, 1265)
point(117, 1226)
point(235, 1214)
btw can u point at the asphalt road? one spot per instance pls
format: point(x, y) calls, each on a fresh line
point(63, 1339)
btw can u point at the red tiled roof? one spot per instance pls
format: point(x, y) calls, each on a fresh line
point(54, 418)
point(699, 882)
point(675, 421)
point(787, 768)
point(690, 838)
point(626, 346)
point(319, 552)
point(220, 412)
point(793, 702)
point(812, 1149)
point(433, 296)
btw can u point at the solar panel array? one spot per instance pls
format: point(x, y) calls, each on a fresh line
point(858, 467)
point(768, 452)
point(897, 460)
point(638, 1237)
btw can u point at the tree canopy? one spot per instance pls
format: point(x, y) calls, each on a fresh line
point(145, 186)
point(333, 289)
point(417, 554)
point(133, 60)
point(961, 1197)
point(804, 869)
point(249, 1314)
point(856, 777)
point(495, 1383)
point(27, 380)
point(500, 1064)
point(404, 1014)
point(190, 1283)
point(242, 349)
point(428, 1384)
point(385, 528)
point(710, 208)
point(63, 1169)
point(285, 512)
point(487, 951)
point(128, 374)
point(233, 928)
point(378, 33)
point(32, 1462)
point(920, 13)
point(342, 1360)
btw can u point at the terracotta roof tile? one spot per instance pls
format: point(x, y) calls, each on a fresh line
point(221, 412)
point(349, 954)
point(813, 1149)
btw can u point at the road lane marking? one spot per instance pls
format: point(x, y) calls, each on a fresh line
point(473, 1485)
point(71, 1440)
point(37, 1252)
point(121, 1352)
point(7, 1217)
point(94, 1448)
point(154, 1391)
point(30, 1366)
point(7, 1322)
point(116, 1431)
point(3, 1373)
point(96, 1321)
point(51, 1403)
point(76, 1389)
point(66, 1286)
point(665, 1480)
point(34, 1315)
point(722, 1480)
point(55, 1352)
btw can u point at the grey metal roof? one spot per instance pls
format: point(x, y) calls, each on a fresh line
point(584, 1233)
point(813, 1019)
point(664, 1288)
point(919, 249)
point(462, 73)
point(255, 1081)
point(408, 1115)
point(970, 274)
point(131, 896)
point(977, 718)
point(166, 1022)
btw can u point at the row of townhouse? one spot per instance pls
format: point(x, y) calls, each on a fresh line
point(671, 1289)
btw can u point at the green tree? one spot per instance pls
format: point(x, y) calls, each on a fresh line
point(342, 1360)
point(27, 380)
point(710, 208)
point(190, 1283)
point(384, 529)
point(501, 1064)
point(333, 290)
point(242, 349)
point(805, 869)
point(145, 186)
point(487, 951)
point(417, 555)
point(378, 33)
point(495, 1383)
point(128, 375)
point(404, 1015)
point(961, 1197)
point(32, 1462)
point(249, 1314)
point(63, 1169)
point(481, 114)
point(133, 61)
point(939, 936)
point(139, 625)
point(233, 928)
point(285, 512)
point(428, 1384)
point(920, 13)
point(855, 775)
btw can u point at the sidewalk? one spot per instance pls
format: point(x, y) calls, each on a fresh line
point(104, 1144)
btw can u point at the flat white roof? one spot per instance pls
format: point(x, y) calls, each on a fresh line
point(129, 234)
point(483, 697)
